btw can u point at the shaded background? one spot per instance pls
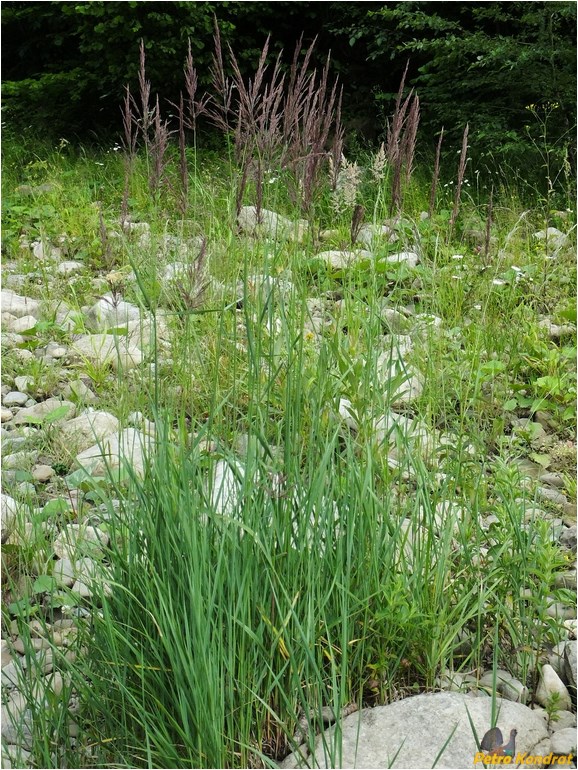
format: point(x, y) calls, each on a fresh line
point(64, 65)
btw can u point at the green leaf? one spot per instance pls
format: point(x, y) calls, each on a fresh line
point(510, 405)
point(543, 460)
point(56, 414)
point(569, 313)
point(492, 367)
point(54, 508)
point(23, 608)
point(44, 584)
point(80, 479)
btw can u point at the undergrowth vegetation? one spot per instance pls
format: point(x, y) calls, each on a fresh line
point(291, 543)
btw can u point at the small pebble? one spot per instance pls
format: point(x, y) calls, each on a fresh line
point(563, 741)
point(568, 538)
point(19, 460)
point(5, 415)
point(24, 383)
point(32, 644)
point(550, 685)
point(15, 398)
point(552, 479)
point(561, 611)
point(42, 473)
point(551, 495)
point(565, 719)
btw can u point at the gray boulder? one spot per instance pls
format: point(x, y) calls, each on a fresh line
point(418, 731)
point(17, 305)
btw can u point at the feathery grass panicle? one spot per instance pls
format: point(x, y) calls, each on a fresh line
point(344, 196)
point(436, 175)
point(378, 164)
point(461, 176)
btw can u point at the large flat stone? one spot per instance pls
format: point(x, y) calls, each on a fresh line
point(412, 733)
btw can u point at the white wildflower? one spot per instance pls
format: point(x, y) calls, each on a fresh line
point(344, 195)
point(378, 165)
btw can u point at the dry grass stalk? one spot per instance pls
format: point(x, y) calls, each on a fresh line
point(196, 107)
point(356, 222)
point(487, 236)
point(410, 137)
point(129, 143)
point(192, 290)
point(183, 165)
point(158, 150)
point(401, 141)
point(146, 114)
point(436, 175)
point(461, 175)
point(253, 116)
point(394, 128)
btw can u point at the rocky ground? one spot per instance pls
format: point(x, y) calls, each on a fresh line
point(56, 433)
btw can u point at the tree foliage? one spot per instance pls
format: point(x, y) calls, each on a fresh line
point(65, 64)
point(482, 63)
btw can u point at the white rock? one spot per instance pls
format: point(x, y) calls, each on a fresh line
point(564, 741)
point(104, 349)
point(78, 540)
point(554, 237)
point(24, 383)
point(17, 722)
point(225, 488)
point(399, 380)
point(271, 224)
point(370, 234)
point(552, 495)
point(86, 429)
point(69, 267)
point(23, 356)
point(20, 460)
point(418, 730)
point(338, 260)
point(109, 313)
point(5, 415)
point(12, 340)
point(565, 719)
point(9, 509)
point(556, 658)
point(410, 258)
point(44, 409)
point(129, 447)
point(15, 398)
point(79, 391)
point(570, 652)
point(346, 414)
point(18, 305)
point(64, 572)
point(550, 685)
point(55, 350)
point(395, 321)
point(22, 324)
point(42, 473)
